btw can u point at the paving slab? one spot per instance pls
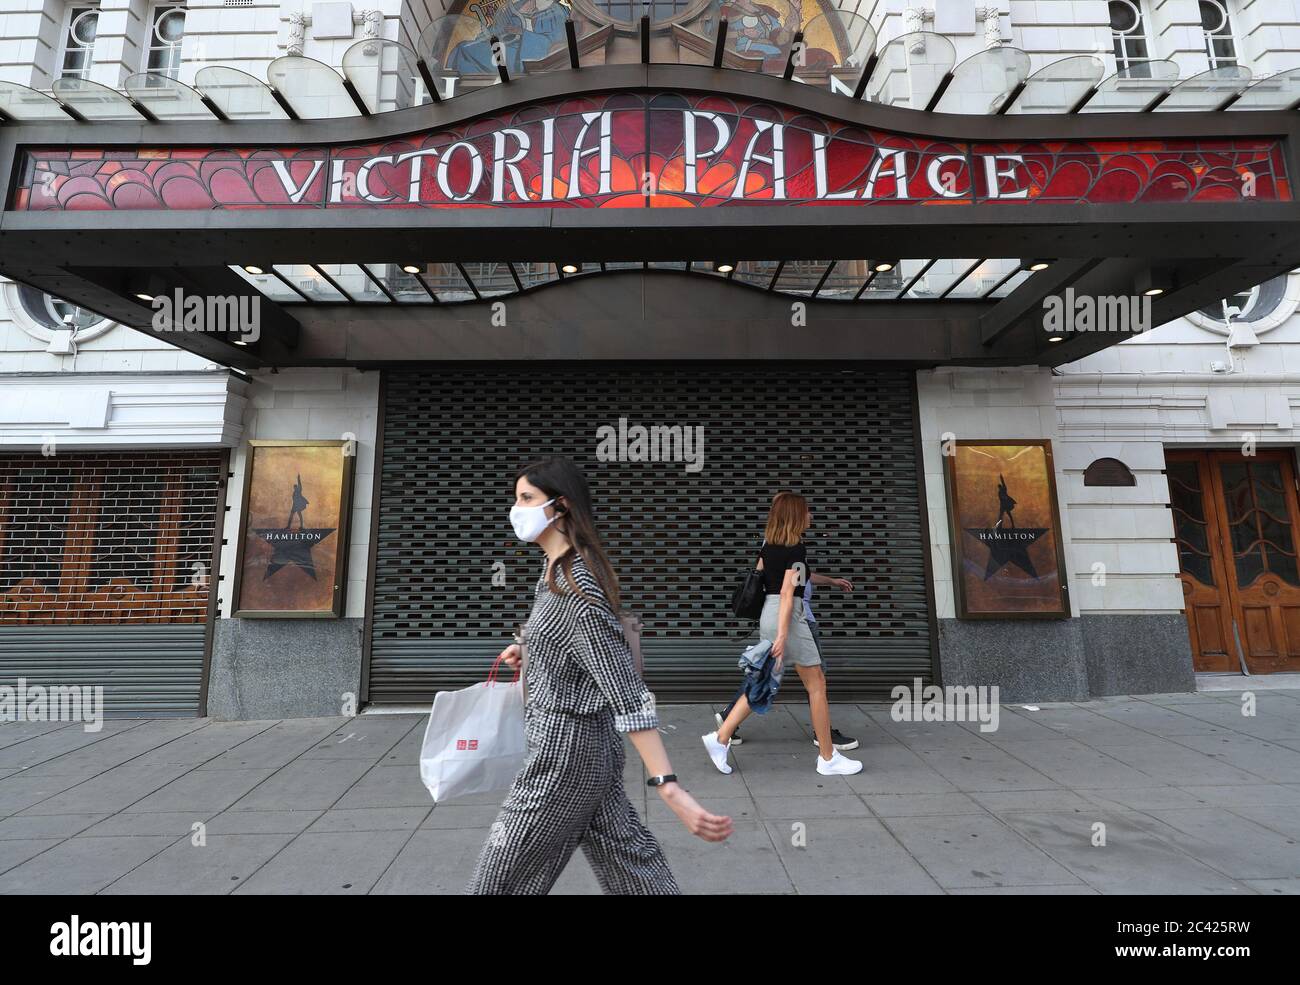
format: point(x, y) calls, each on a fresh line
point(1229, 843)
point(80, 865)
point(112, 790)
point(276, 746)
point(372, 819)
point(305, 783)
point(1135, 860)
point(217, 867)
point(328, 863)
point(843, 856)
point(1195, 798)
point(974, 850)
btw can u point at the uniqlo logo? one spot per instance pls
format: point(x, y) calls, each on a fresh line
point(473, 743)
point(463, 744)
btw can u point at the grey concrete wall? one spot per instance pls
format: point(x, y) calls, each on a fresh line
point(1138, 654)
point(284, 668)
point(1068, 659)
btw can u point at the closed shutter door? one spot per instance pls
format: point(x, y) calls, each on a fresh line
point(105, 575)
point(452, 581)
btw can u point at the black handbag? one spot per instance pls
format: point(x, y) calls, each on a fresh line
point(747, 602)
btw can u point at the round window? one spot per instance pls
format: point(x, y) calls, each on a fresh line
point(170, 27)
point(84, 26)
point(1262, 307)
point(54, 313)
point(1213, 17)
point(1123, 16)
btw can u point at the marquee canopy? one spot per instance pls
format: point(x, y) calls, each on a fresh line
point(643, 211)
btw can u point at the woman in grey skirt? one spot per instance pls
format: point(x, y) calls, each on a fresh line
point(784, 563)
point(583, 691)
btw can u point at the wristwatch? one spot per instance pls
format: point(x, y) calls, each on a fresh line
point(659, 781)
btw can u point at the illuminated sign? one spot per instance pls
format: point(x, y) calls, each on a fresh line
point(653, 150)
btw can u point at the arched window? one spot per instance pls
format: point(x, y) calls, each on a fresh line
point(166, 32)
point(1129, 36)
point(79, 41)
point(1219, 46)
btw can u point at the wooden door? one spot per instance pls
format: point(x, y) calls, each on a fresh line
point(1258, 516)
point(1197, 532)
point(1235, 523)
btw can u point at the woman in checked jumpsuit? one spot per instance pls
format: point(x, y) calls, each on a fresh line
point(583, 691)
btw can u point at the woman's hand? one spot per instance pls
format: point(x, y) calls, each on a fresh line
point(843, 584)
point(778, 651)
point(698, 821)
point(510, 656)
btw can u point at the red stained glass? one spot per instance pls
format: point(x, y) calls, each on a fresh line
point(653, 150)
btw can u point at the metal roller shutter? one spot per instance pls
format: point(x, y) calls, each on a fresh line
point(154, 671)
point(105, 561)
point(679, 539)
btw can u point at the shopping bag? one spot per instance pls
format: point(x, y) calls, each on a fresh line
point(474, 741)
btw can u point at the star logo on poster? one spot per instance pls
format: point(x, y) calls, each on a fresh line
point(290, 546)
point(1007, 544)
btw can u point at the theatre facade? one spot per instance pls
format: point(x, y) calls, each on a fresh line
point(937, 296)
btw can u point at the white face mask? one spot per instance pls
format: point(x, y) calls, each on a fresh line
point(530, 521)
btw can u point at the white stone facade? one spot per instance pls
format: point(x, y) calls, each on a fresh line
point(1181, 384)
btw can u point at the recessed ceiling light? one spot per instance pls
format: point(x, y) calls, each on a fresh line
point(411, 268)
point(1056, 338)
point(1154, 291)
point(724, 267)
point(240, 342)
point(144, 297)
point(571, 268)
point(880, 266)
point(253, 268)
point(1038, 265)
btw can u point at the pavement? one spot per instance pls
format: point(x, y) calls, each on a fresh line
point(1189, 795)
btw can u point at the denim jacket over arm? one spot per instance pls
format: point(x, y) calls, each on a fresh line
point(761, 683)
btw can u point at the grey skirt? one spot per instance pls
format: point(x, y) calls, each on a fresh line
point(800, 647)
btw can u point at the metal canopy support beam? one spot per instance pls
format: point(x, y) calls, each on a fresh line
point(429, 84)
point(865, 77)
point(355, 96)
point(571, 41)
point(1011, 98)
point(721, 46)
point(789, 61)
point(284, 103)
point(110, 292)
point(1027, 299)
point(675, 316)
point(940, 89)
point(1165, 231)
point(1214, 278)
point(494, 43)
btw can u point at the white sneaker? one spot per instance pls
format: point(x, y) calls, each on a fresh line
point(717, 752)
point(838, 765)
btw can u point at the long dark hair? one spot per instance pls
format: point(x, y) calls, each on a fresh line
point(557, 476)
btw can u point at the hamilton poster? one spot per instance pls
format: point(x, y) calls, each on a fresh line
point(1006, 531)
point(293, 544)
